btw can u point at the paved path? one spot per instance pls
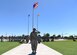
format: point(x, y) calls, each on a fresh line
point(25, 49)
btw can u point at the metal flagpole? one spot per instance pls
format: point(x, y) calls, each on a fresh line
point(33, 19)
point(35, 5)
point(37, 21)
point(28, 23)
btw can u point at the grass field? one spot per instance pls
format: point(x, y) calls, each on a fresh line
point(5, 46)
point(65, 47)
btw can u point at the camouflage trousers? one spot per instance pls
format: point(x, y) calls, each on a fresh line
point(34, 44)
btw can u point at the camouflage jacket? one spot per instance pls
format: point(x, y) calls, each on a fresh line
point(33, 35)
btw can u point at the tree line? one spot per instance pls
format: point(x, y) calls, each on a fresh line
point(45, 38)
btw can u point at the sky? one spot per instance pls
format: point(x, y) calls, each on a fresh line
point(56, 16)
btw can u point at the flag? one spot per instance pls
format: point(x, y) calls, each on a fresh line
point(28, 14)
point(35, 5)
point(38, 14)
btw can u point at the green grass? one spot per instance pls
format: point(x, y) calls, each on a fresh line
point(5, 46)
point(65, 47)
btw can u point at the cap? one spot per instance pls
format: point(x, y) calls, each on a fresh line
point(34, 28)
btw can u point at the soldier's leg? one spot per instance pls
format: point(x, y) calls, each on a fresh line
point(35, 45)
point(32, 45)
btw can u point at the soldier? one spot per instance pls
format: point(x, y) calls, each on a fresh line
point(27, 39)
point(39, 38)
point(33, 39)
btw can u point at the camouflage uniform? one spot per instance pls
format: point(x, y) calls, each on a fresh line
point(33, 39)
point(39, 38)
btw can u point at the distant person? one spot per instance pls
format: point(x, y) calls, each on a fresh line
point(34, 41)
point(39, 38)
point(73, 38)
point(27, 39)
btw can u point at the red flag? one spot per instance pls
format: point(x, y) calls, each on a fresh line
point(35, 5)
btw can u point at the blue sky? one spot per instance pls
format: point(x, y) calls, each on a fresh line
point(56, 16)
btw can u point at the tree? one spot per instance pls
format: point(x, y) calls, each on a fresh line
point(53, 37)
point(9, 38)
point(23, 36)
point(72, 37)
point(46, 37)
point(58, 36)
point(2, 38)
point(47, 34)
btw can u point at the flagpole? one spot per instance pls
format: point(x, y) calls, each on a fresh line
point(37, 22)
point(33, 19)
point(28, 24)
point(35, 5)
